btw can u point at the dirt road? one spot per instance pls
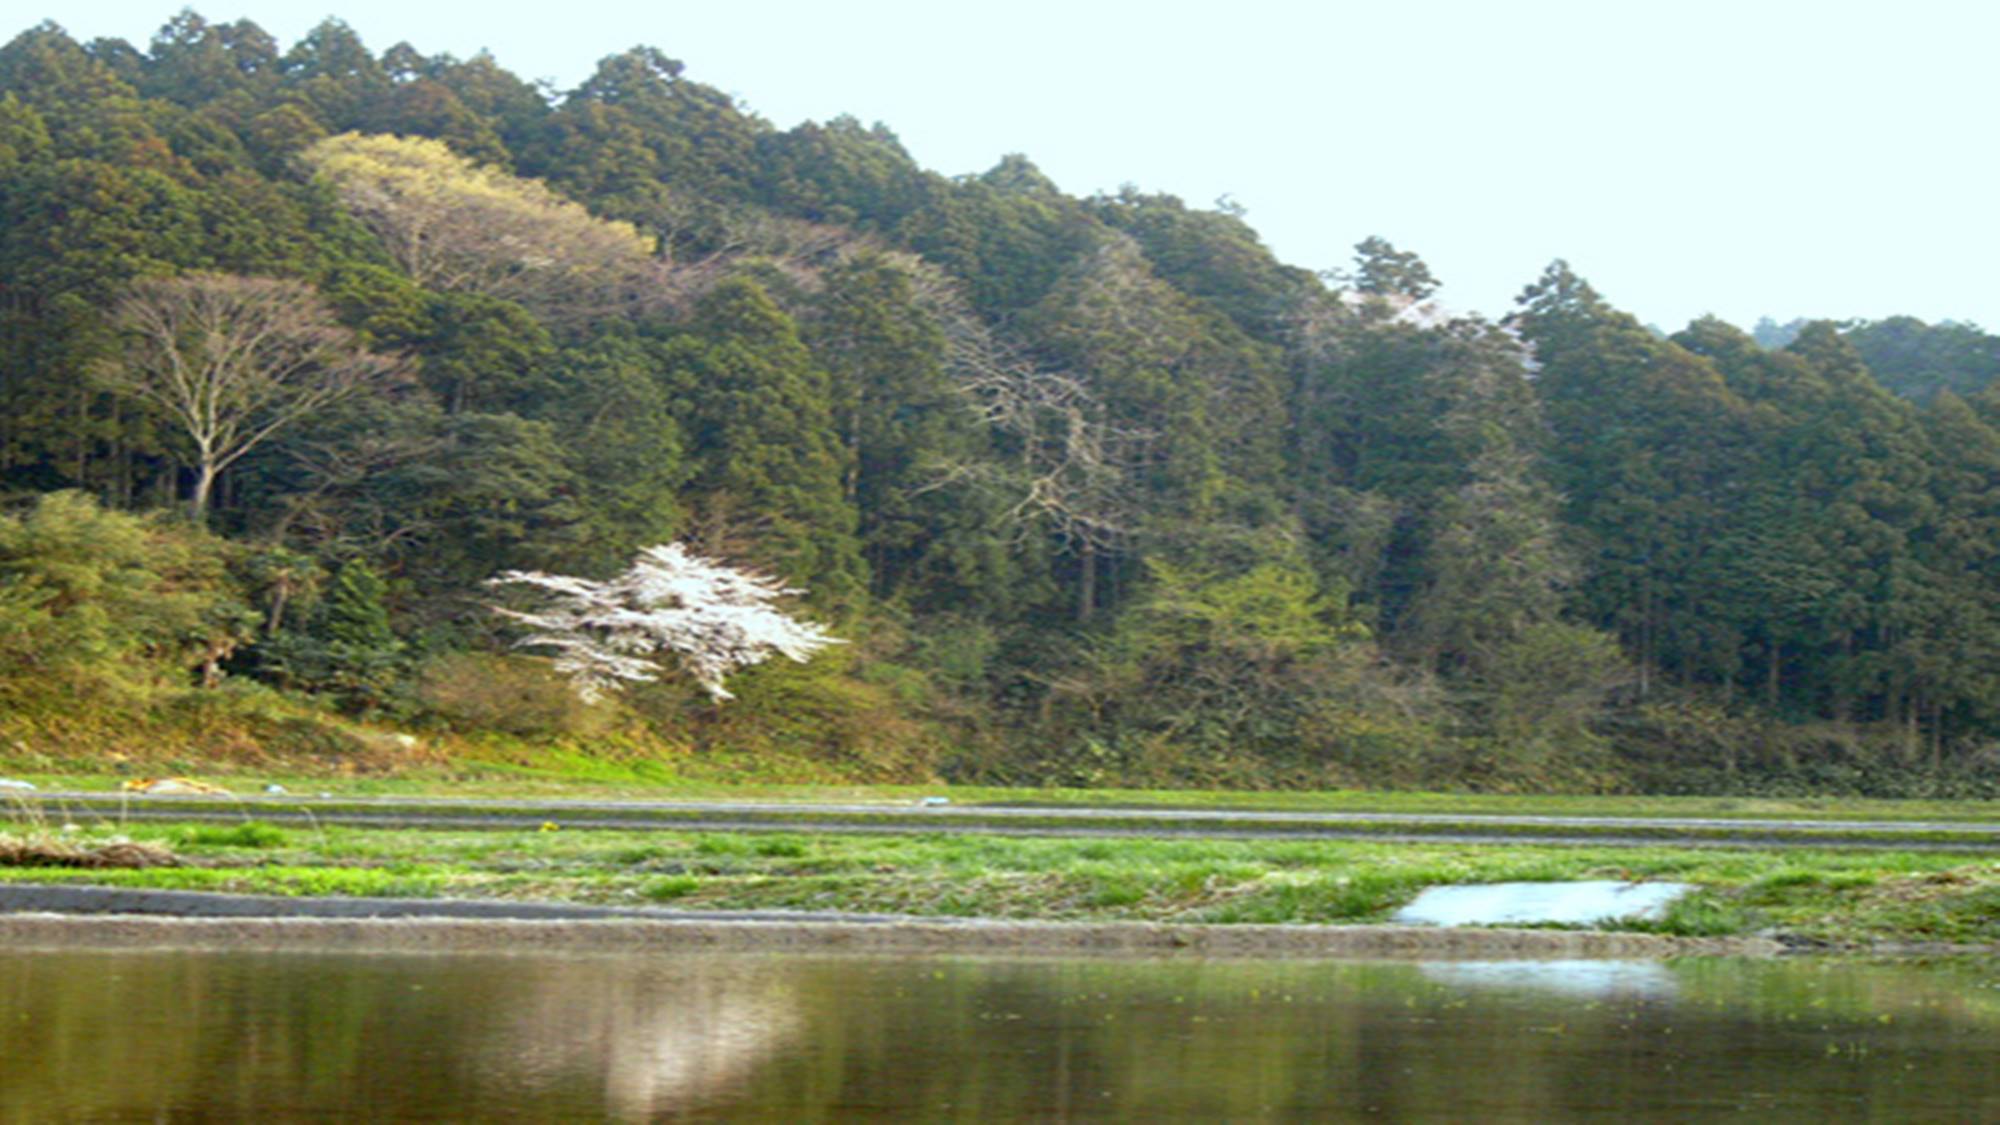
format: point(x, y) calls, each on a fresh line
point(740, 816)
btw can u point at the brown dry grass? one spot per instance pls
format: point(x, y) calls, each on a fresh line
point(49, 851)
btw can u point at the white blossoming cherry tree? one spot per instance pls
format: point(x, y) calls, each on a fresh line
point(712, 618)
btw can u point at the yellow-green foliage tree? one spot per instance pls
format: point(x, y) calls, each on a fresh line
point(455, 225)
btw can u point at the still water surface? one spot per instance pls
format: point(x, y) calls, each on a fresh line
point(175, 1036)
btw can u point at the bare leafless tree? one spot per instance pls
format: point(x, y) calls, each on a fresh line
point(1070, 466)
point(232, 360)
point(333, 506)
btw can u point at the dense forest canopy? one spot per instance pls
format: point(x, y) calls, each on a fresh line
point(300, 346)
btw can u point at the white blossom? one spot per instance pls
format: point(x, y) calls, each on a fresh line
point(1398, 308)
point(714, 619)
point(1386, 310)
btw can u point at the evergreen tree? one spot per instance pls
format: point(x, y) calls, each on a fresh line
point(1954, 673)
point(1919, 361)
point(1381, 270)
point(839, 172)
point(770, 471)
point(614, 416)
point(1646, 438)
point(336, 77)
point(194, 62)
point(901, 419)
point(1861, 469)
point(1212, 255)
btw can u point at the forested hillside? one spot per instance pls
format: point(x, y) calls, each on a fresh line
point(1097, 490)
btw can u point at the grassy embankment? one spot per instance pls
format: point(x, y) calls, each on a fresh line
point(583, 778)
point(1844, 898)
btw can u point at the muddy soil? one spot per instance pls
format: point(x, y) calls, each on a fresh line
point(80, 917)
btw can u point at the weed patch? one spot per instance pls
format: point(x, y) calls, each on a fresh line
point(254, 834)
point(671, 888)
point(1696, 914)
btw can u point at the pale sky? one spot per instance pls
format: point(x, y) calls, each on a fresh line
point(1779, 158)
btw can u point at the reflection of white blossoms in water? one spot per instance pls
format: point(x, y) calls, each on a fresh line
point(1596, 979)
point(665, 1040)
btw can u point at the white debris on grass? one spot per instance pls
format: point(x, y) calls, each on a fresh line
point(8, 784)
point(1577, 904)
point(175, 786)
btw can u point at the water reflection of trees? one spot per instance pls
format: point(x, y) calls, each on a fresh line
point(804, 1039)
point(1244, 1040)
point(385, 1038)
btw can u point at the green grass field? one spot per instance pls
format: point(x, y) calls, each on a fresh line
point(1844, 898)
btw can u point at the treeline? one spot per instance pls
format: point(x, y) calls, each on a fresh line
point(1100, 490)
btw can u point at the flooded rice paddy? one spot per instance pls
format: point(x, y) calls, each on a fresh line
point(279, 1036)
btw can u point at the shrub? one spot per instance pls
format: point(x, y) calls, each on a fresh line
point(106, 599)
point(515, 695)
point(819, 721)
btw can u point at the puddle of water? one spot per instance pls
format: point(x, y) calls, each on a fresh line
point(1577, 904)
